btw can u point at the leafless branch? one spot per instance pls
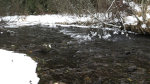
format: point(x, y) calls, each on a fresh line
point(103, 22)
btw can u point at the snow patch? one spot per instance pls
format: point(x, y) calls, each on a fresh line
point(51, 20)
point(143, 26)
point(130, 20)
point(17, 68)
point(79, 37)
point(106, 36)
point(135, 6)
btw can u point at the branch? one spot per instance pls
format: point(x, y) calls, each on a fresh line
point(102, 21)
point(110, 6)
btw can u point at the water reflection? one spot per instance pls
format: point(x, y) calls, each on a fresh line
point(17, 68)
point(52, 82)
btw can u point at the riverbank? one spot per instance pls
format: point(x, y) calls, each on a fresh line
point(46, 20)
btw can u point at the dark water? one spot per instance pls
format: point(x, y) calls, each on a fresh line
point(82, 55)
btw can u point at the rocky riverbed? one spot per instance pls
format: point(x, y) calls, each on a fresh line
point(72, 55)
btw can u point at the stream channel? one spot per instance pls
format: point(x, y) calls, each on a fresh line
point(74, 55)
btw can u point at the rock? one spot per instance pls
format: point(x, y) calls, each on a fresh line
point(42, 50)
point(99, 81)
point(141, 71)
point(127, 52)
point(132, 68)
point(123, 81)
point(11, 33)
point(87, 80)
point(13, 47)
point(139, 52)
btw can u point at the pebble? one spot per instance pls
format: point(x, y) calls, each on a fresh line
point(132, 68)
point(127, 52)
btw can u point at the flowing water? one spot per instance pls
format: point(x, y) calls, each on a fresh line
point(74, 55)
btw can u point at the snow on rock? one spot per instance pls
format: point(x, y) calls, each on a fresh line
point(148, 16)
point(130, 20)
point(17, 68)
point(143, 26)
point(78, 36)
point(106, 36)
point(135, 6)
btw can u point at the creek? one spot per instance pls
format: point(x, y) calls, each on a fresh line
point(74, 55)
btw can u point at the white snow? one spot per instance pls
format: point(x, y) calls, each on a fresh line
point(130, 20)
point(143, 26)
point(1, 32)
point(106, 36)
point(135, 6)
point(51, 20)
point(16, 68)
point(148, 16)
point(80, 37)
point(71, 25)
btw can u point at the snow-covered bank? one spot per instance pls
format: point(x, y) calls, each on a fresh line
point(139, 21)
point(17, 68)
point(49, 20)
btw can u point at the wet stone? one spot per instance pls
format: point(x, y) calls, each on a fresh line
point(99, 81)
point(127, 52)
point(132, 69)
